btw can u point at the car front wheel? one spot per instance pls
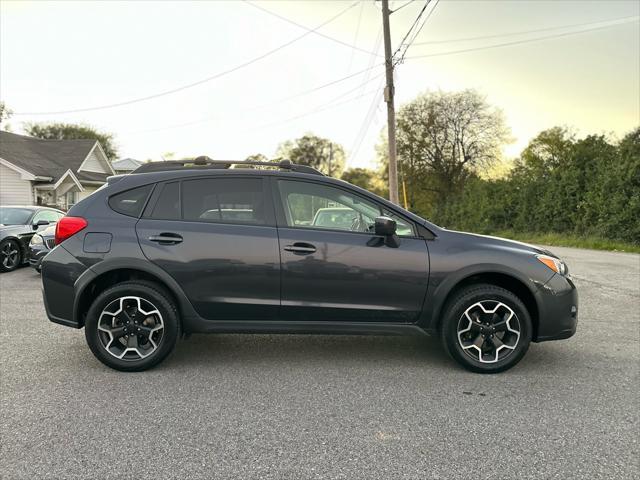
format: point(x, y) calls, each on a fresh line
point(486, 329)
point(132, 326)
point(10, 255)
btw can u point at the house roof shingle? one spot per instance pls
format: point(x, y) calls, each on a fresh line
point(47, 158)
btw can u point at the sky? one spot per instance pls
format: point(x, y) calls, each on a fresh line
point(227, 79)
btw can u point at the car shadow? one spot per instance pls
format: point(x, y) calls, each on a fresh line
point(307, 350)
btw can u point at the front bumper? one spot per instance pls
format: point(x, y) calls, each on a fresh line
point(35, 254)
point(558, 305)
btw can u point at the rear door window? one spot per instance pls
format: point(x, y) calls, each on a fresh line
point(224, 200)
point(167, 206)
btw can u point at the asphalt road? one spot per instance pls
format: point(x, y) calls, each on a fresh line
point(262, 406)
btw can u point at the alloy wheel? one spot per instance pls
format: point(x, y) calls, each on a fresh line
point(10, 255)
point(130, 328)
point(488, 331)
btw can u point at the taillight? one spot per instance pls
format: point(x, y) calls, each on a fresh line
point(67, 227)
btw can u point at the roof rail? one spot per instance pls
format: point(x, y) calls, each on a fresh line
point(204, 162)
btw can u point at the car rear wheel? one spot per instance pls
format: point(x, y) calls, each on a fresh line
point(132, 326)
point(10, 255)
point(486, 329)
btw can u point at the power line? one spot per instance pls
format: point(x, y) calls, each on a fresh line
point(355, 38)
point(402, 6)
point(523, 32)
point(366, 124)
point(254, 107)
point(518, 42)
point(413, 25)
point(288, 20)
point(199, 82)
point(328, 106)
point(417, 32)
point(376, 48)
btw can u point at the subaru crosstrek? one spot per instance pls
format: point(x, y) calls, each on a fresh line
point(191, 247)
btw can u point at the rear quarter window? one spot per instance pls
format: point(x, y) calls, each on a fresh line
point(130, 202)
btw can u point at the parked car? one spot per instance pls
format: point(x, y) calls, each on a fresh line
point(17, 225)
point(143, 260)
point(41, 243)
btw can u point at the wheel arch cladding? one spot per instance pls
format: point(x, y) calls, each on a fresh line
point(503, 280)
point(113, 277)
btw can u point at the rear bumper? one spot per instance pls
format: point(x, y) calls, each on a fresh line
point(60, 275)
point(558, 315)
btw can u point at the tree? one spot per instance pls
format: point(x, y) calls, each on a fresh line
point(319, 153)
point(449, 136)
point(588, 186)
point(5, 112)
point(257, 157)
point(71, 131)
point(365, 178)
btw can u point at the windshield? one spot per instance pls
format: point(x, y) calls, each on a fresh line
point(14, 216)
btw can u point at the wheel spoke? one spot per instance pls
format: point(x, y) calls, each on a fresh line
point(497, 343)
point(132, 341)
point(118, 322)
point(480, 331)
point(117, 332)
point(148, 331)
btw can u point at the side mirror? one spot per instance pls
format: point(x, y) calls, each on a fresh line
point(384, 226)
point(40, 223)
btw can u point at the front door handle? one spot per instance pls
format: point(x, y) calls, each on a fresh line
point(166, 238)
point(300, 248)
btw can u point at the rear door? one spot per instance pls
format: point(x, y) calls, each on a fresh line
point(217, 238)
point(334, 268)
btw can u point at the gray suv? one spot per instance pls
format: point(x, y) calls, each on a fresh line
point(199, 246)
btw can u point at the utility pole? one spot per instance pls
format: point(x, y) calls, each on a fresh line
point(330, 156)
point(391, 111)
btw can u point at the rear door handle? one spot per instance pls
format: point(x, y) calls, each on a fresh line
point(300, 248)
point(166, 238)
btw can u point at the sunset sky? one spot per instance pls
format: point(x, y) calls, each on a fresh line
point(574, 63)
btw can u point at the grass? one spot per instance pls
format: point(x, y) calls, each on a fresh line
point(567, 240)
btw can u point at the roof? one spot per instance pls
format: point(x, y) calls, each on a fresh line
point(91, 176)
point(32, 207)
point(126, 164)
point(45, 158)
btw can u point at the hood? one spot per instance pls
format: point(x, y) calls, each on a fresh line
point(8, 229)
point(503, 242)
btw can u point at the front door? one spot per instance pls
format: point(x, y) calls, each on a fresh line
point(334, 268)
point(217, 238)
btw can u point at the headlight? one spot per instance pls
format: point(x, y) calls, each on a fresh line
point(554, 264)
point(36, 240)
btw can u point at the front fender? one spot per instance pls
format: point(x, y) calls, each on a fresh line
point(455, 257)
point(440, 288)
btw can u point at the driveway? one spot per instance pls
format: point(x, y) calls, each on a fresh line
point(280, 406)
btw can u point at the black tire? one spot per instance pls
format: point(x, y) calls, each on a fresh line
point(16, 259)
point(149, 292)
point(455, 320)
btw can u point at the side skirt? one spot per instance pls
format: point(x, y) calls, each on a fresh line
point(326, 328)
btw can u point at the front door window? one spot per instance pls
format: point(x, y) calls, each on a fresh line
point(311, 205)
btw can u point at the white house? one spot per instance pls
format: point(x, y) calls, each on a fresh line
point(50, 172)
